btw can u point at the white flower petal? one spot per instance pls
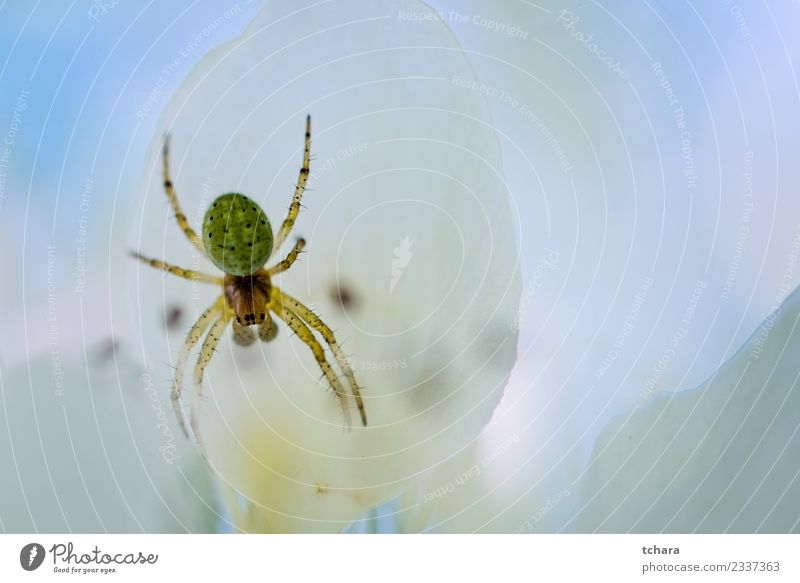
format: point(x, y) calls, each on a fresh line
point(407, 212)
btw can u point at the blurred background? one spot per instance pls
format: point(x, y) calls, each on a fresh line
point(649, 155)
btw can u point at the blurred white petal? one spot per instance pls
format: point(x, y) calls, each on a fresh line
point(635, 239)
point(724, 457)
point(89, 445)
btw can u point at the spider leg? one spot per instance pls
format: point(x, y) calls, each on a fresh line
point(175, 270)
point(192, 338)
point(290, 259)
point(307, 336)
point(183, 223)
point(206, 353)
point(294, 208)
point(311, 319)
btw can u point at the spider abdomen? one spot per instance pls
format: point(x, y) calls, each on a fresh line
point(237, 234)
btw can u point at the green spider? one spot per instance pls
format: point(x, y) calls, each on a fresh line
point(237, 238)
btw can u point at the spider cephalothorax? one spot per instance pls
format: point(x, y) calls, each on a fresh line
point(237, 237)
point(248, 296)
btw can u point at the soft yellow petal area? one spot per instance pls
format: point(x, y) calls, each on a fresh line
point(724, 457)
point(407, 216)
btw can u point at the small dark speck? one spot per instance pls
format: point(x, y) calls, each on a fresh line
point(173, 317)
point(106, 349)
point(344, 296)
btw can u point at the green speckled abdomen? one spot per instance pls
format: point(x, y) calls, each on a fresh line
point(237, 234)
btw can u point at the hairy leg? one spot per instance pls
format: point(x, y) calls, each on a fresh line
point(206, 353)
point(307, 336)
point(183, 223)
point(294, 208)
point(192, 338)
point(175, 270)
point(309, 317)
point(290, 259)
